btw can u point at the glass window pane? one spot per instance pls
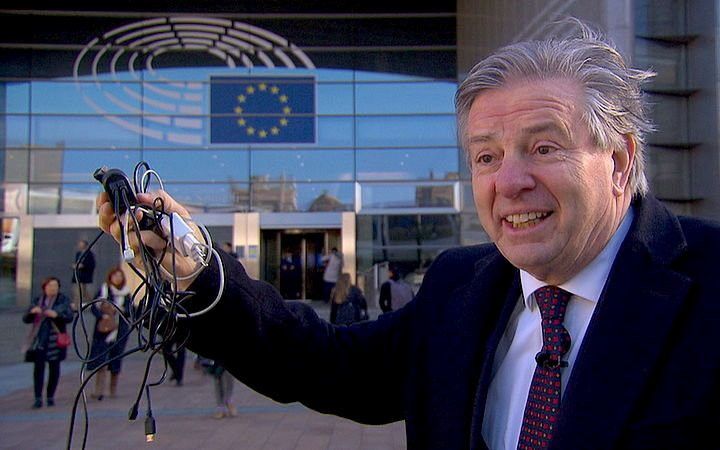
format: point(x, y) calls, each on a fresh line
point(79, 165)
point(17, 131)
point(8, 260)
point(62, 198)
point(408, 195)
point(472, 232)
point(313, 197)
point(412, 239)
point(410, 131)
point(86, 97)
point(405, 98)
point(210, 198)
point(16, 165)
point(438, 229)
point(173, 130)
point(408, 164)
point(83, 131)
point(303, 165)
point(17, 97)
point(335, 98)
point(207, 165)
point(13, 198)
point(336, 131)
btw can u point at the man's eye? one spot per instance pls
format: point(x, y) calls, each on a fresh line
point(544, 149)
point(485, 159)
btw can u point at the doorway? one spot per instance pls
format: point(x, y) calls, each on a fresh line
point(292, 261)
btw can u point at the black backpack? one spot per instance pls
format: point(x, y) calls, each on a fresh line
point(347, 313)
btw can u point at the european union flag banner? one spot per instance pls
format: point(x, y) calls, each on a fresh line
point(262, 110)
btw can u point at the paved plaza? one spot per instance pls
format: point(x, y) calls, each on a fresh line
point(183, 415)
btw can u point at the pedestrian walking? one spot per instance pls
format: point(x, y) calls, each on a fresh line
point(348, 304)
point(110, 332)
point(49, 314)
point(82, 275)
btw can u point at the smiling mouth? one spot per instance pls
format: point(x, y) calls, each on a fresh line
point(525, 220)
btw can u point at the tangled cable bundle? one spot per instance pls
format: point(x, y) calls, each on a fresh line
point(156, 304)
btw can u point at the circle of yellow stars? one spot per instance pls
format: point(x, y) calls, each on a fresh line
point(274, 91)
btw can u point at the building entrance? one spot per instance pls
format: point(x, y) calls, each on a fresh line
point(292, 261)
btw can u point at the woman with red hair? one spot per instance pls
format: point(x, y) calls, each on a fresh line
point(110, 334)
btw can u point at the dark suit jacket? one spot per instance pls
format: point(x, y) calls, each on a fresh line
point(647, 374)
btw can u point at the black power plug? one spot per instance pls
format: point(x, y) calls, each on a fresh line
point(115, 183)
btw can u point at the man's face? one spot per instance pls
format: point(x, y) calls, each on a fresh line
point(545, 193)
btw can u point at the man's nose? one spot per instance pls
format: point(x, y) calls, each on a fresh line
point(513, 177)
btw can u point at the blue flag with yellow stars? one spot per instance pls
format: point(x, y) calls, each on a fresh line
point(262, 110)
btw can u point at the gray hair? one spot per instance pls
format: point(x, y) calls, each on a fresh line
point(615, 103)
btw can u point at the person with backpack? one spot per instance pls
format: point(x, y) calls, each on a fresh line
point(348, 303)
point(394, 293)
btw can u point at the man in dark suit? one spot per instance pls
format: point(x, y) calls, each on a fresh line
point(591, 322)
point(84, 269)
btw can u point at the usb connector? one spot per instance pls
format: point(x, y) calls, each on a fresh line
point(184, 237)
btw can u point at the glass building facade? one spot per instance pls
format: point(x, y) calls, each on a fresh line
point(301, 126)
point(214, 103)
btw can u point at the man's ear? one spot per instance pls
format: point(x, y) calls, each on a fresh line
point(623, 160)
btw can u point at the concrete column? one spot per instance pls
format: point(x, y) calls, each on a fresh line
point(24, 266)
point(348, 241)
point(246, 234)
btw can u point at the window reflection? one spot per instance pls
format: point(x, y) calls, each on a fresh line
point(86, 131)
point(62, 198)
point(55, 140)
point(407, 98)
point(408, 195)
point(406, 131)
point(17, 97)
point(407, 164)
point(287, 196)
point(64, 96)
point(209, 165)
point(303, 165)
point(79, 165)
point(411, 240)
point(17, 130)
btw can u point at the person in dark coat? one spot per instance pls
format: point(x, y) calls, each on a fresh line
point(290, 275)
point(111, 332)
point(49, 314)
point(82, 275)
point(347, 302)
point(394, 293)
point(590, 321)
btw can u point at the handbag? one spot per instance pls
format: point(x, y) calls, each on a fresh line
point(31, 343)
point(63, 338)
point(31, 354)
point(107, 324)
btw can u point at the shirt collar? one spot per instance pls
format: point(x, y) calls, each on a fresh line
point(589, 282)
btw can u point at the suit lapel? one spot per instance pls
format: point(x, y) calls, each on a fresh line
point(511, 297)
point(627, 332)
point(457, 344)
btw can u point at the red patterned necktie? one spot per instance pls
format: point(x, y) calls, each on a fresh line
point(543, 403)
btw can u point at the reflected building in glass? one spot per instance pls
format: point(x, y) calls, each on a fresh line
point(295, 127)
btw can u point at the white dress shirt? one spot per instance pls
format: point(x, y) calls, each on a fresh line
point(514, 363)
